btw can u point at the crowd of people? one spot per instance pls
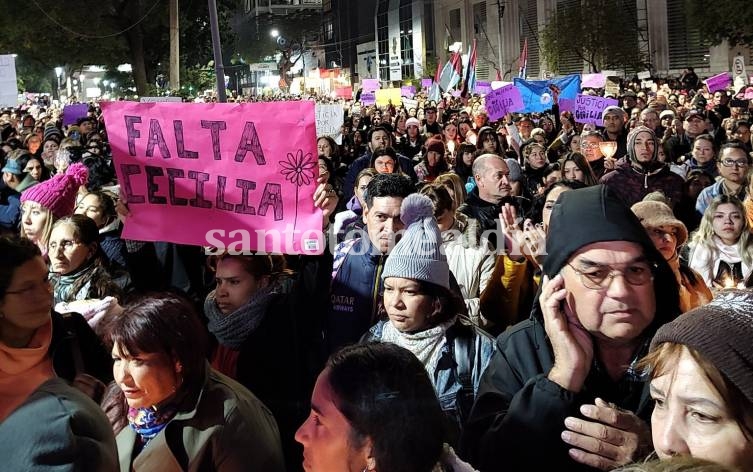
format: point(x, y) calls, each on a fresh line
point(529, 293)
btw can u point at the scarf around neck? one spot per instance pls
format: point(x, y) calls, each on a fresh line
point(231, 330)
point(426, 345)
point(148, 422)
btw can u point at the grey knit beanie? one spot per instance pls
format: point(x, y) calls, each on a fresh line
point(418, 255)
point(721, 332)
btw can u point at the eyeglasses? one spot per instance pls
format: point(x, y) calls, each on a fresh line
point(65, 245)
point(732, 162)
point(600, 277)
point(589, 146)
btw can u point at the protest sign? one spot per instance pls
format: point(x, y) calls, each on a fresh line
point(368, 98)
point(344, 92)
point(593, 81)
point(218, 174)
point(537, 94)
point(8, 83)
point(408, 91)
point(645, 75)
point(385, 96)
point(503, 101)
point(718, 82)
point(329, 120)
point(483, 88)
point(73, 112)
point(612, 87)
point(370, 85)
point(588, 108)
point(426, 83)
point(410, 104)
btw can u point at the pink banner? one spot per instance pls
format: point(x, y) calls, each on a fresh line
point(344, 92)
point(426, 83)
point(503, 101)
point(483, 88)
point(71, 113)
point(588, 108)
point(370, 85)
point(368, 98)
point(718, 82)
point(219, 175)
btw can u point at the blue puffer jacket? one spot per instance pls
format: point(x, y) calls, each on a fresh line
point(355, 292)
point(464, 358)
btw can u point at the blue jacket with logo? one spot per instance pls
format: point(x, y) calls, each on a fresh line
point(355, 292)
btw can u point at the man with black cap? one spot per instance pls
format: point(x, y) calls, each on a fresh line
point(562, 391)
point(15, 181)
point(640, 172)
point(432, 126)
point(681, 144)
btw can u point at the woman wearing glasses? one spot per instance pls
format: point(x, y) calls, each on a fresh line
point(733, 166)
point(44, 422)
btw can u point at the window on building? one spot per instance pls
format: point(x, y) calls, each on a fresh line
point(685, 46)
point(428, 26)
point(480, 34)
point(406, 37)
point(383, 41)
point(529, 29)
point(456, 31)
point(329, 30)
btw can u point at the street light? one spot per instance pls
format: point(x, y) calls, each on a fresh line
point(81, 83)
point(59, 74)
point(274, 33)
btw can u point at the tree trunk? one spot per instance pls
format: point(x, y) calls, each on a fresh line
point(135, 39)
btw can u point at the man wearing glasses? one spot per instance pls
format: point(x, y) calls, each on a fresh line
point(733, 166)
point(562, 391)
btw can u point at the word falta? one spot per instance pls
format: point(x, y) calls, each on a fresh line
point(157, 177)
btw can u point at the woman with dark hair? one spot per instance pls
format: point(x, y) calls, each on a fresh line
point(422, 313)
point(169, 410)
point(374, 409)
point(536, 167)
point(488, 142)
point(44, 423)
point(356, 146)
point(259, 341)
point(701, 381)
point(34, 166)
point(327, 147)
point(464, 162)
point(100, 207)
point(575, 167)
point(78, 262)
point(384, 160)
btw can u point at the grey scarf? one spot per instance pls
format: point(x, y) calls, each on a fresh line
point(231, 330)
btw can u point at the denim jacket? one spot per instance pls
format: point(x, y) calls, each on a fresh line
point(456, 396)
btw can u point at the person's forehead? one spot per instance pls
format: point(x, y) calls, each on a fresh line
point(379, 134)
point(733, 153)
point(644, 135)
point(387, 204)
point(609, 252)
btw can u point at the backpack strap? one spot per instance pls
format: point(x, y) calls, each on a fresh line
point(464, 356)
point(341, 251)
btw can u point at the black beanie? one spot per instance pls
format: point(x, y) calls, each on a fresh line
point(721, 332)
point(591, 215)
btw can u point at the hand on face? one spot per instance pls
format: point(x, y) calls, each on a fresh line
point(571, 343)
point(615, 436)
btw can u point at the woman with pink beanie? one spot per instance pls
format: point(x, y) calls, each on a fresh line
point(48, 201)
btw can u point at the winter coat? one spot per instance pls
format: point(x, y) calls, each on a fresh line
point(471, 261)
point(519, 413)
point(456, 377)
point(487, 213)
point(508, 295)
point(711, 192)
point(57, 428)
point(10, 205)
point(75, 349)
point(222, 427)
point(632, 184)
point(355, 292)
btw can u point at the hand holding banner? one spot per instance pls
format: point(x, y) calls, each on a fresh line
point(588, 108)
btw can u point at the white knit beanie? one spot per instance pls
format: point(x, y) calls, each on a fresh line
point(418, 255)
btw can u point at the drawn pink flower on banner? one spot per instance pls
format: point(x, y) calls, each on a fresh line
point(298, 170)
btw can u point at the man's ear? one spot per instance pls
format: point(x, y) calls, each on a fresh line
point(365, 213)
point(369, 458)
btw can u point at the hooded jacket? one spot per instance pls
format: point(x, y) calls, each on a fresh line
point(519, 413)
point(632, 180)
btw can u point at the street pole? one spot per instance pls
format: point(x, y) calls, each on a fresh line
point(174, 46)
point(219, 69)
point(500, 15)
